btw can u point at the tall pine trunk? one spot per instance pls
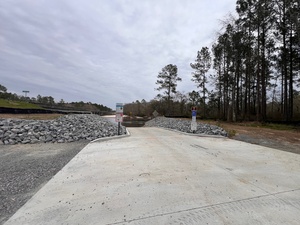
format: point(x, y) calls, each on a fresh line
point(291, 89)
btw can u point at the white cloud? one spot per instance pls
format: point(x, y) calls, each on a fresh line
point(102, 51)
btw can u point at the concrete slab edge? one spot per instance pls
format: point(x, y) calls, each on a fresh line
point(112, 137)
point(191, 134)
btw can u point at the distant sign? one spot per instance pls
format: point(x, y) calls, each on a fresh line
point(119, 112)
point(119, 108)
point(119, 117)
point(194, 126)
point(155, 113)
point(194, 117)
point(194, 113)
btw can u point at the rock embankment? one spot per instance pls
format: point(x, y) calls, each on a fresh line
point(185, 126)
point(67, 128)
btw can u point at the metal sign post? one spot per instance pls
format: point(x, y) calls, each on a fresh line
point(119, 115)
point(194, 122)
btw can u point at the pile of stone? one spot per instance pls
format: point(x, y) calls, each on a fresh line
point(67, 128)
point(184, 125)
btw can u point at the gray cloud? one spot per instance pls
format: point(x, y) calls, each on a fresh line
point(103, 51)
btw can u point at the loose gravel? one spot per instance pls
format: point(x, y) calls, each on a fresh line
point(184, 125)
point(24, 169)
point(67, 128)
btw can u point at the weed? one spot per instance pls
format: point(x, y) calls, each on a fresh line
point(231, 133)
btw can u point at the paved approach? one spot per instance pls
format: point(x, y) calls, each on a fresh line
point(157, 176)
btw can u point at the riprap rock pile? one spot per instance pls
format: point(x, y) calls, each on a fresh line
point(185, 126)
point(67, 128)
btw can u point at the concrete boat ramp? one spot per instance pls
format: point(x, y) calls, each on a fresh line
point(157, 176)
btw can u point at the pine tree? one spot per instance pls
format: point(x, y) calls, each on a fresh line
point(167, 80)
point(201, 66)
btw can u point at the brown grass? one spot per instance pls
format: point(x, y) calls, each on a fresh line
point(31, 116)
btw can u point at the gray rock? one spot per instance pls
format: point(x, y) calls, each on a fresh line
point(15, 130)
point(67, 128)
point(25, 141)
point(185, 126)
point(34, 140)
point(4, 128)
point(12, 135)
point(48, 138)
point(11, 141)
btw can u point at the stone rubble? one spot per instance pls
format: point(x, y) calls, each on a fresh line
point(67, 128)
point(185, 126)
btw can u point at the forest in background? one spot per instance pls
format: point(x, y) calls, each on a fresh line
point(48, 102)
point(256, 69)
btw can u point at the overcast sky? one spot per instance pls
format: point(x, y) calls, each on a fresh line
point(102, 51)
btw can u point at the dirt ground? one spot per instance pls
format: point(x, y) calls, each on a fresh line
point(285, 140)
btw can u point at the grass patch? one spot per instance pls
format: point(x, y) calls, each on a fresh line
point(278, 126)
point(231, 133)
point(274, 126)
point(17, 104)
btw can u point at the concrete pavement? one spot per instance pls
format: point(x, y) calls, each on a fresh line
point(157, 176)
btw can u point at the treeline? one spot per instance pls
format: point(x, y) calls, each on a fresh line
point(181, 104)
point(257, 61)
point(49, 102)
point(252, 71)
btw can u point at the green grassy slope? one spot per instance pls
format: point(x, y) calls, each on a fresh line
point(17, 104)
